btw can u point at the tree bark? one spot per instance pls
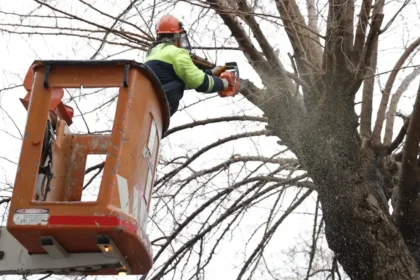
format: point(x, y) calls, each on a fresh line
point(358, 226)
point(362, 234)
point(407, 209)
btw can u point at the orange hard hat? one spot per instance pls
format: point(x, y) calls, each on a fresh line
point(169, 24)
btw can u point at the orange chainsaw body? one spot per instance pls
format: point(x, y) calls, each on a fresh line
point(232, 76)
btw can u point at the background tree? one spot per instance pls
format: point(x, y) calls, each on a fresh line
point(309, 102)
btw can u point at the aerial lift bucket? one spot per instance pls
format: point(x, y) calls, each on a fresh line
point(49, 229)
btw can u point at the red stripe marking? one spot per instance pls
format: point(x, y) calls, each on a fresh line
point(92, 221)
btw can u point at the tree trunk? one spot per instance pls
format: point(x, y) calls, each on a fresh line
point(361, 232)
point(358, 226)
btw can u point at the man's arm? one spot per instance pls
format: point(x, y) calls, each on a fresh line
point(193, 77)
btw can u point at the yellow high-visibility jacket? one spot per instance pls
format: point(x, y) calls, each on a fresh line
point(176, 72)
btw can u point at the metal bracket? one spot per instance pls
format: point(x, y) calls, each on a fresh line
point(47, 75)
point(126, 68)
point(110, 250)
point(53, 248)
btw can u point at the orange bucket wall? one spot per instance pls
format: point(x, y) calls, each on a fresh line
point(141, 118)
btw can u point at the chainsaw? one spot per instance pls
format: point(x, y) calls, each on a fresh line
point(229, 72)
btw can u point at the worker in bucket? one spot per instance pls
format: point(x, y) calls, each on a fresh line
point(169, 58)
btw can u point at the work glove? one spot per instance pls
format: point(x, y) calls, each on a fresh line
point(218, 70)
point(225, 83)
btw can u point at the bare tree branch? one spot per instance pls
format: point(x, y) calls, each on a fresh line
point(215, 120)
point(245, 44)
point(232, 209)
point(267, 236)
point(112, 26)
point(400, 137)
point(380, 118)
point(389, 127)
point(313, 25)
point(361, 30)
point(367, 98)
point(205, 149)
point(272, 59)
